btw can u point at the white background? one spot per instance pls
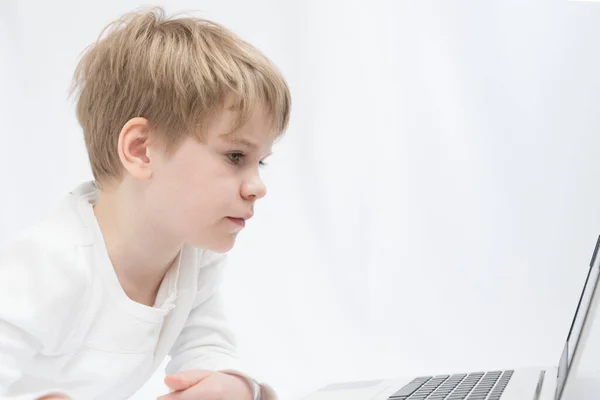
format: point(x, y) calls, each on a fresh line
point(432, 208)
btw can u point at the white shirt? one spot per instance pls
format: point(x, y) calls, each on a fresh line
point(67, 326)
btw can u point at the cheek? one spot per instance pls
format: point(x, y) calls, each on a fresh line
point(186, 175)
point(200, 189)
point(200, 196)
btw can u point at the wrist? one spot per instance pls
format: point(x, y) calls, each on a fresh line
point(249, 387)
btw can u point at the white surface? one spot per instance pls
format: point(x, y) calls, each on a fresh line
point(433, 207)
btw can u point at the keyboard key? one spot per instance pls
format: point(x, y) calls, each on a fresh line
point(474, 386)
point(406, 391)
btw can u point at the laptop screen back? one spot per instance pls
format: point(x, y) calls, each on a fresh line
point(581, 312)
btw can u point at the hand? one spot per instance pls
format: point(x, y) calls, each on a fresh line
point(54, 396)
point(207, 385)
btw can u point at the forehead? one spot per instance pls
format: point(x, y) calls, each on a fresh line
point(257, 132)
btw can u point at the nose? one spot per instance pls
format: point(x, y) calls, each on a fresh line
point(254, 188)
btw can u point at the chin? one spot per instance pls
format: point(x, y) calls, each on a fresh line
point(222, 248)
point(218, 246)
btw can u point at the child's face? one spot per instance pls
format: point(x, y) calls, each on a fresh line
point(203, 193)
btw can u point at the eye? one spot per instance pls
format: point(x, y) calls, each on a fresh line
point(235, 158)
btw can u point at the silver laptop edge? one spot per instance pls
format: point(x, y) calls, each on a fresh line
point(576, 377)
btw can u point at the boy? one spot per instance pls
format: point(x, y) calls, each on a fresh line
point(177, 116)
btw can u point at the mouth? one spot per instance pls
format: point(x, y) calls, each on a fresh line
point(238, 221)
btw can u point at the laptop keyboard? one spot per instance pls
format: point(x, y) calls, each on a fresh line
point(474, 386)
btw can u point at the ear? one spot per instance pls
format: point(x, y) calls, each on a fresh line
point(133, 148)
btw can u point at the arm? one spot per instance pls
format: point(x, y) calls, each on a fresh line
point(40, 296)
point(17, 348)
point(206, 342)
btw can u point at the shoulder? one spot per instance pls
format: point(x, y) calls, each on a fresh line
point(208, 268)
point(49, 249)
point(43, 279)
point(210, 265)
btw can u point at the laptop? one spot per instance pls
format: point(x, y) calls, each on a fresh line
point(575, 377)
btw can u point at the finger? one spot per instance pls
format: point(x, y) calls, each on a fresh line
point(204, 390)
point(54, 396)
point(185, 379)
point(170, 396)
point(199, 391)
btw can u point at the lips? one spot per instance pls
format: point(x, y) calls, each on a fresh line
point(238, 221)
point(245, 217)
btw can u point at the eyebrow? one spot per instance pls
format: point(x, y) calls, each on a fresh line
point(248, 144)
point(242, 142)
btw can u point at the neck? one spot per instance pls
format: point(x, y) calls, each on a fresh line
point(140, 255)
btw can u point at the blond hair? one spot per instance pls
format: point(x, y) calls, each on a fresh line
point(175, 72)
